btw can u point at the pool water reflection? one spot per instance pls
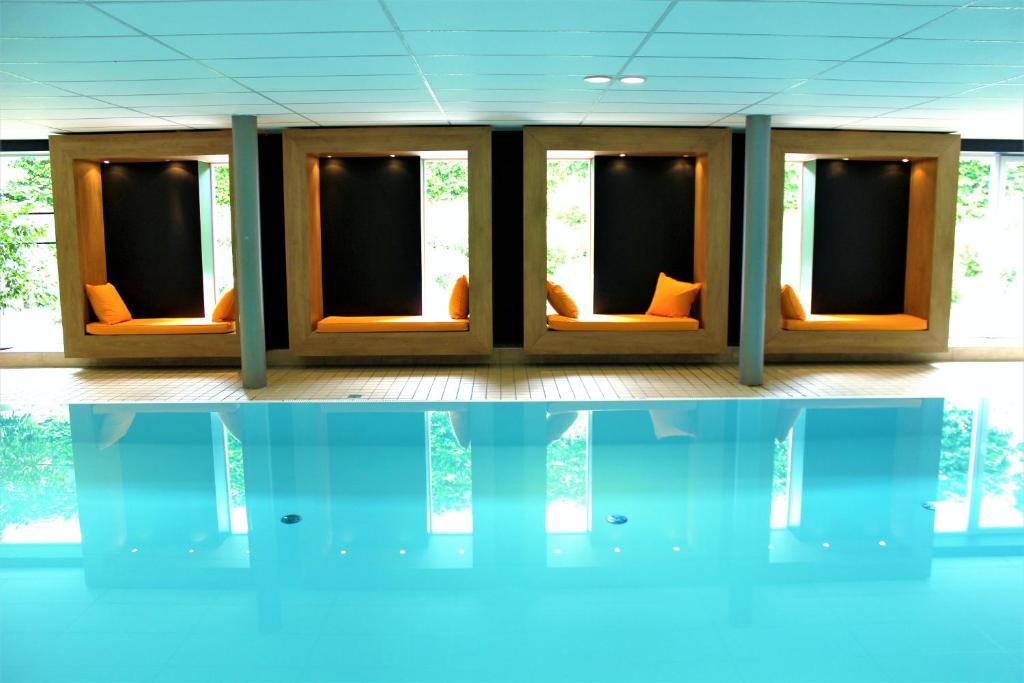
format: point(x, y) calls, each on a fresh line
point(788, 540)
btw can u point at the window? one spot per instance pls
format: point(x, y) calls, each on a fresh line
point(798, 227)
point(450, 467)
point(981, 468)
point(223, 258)
point(29, 292)
point(445, 230)
point(988, 264)
point(568, 477)
point(570, 228)
point(38, 498)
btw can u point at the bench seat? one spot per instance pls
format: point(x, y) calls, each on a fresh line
point(161, 326)
point(856, 322)
point(389, 323)
point(599, 322)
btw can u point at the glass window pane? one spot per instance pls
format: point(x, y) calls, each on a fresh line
point(38, 502)
point(223, 263)
point(445, 231)
point(951, 505)
point(569, 229)
point(792, 225)
point(568, 474)
point(451, 473)
point(1002, 502)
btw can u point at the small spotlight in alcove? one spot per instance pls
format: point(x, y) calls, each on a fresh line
point(622, 154)
point(329, 156)
point(106, 161)
point(392, 156)
point(904, 160)
point(846, 158)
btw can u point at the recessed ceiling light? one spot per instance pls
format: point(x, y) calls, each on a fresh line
point(392, 156)
point(328, 156)
point(904, 160)
point(632, 80)
point(846, 158)
point(622, 154)
point(597, 79)
point(106, 161)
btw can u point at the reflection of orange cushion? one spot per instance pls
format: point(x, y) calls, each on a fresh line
point(458, 304)
point(107, 304)
point(562, 302)
point(673, 298)
point(224, 311)
point(791, 307)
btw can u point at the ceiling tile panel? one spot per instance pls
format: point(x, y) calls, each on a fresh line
point(776, 110)
point(798, 18)
point(283, 83)
point(64, 102)
point(115, 71)
point(527, 15)
point(537, 95)
point(28, 89)
point(213, 16)
point(977, 24)
point(655, 119)
point(312, 66)
point(762, 85)
point(507, 82)
point(174, 86)
point(674, 108)
point(811, 100)
point(321, 108)
point(50, 113)
point(993, 53)
point(766, 47)
point(522, 42)
point(743, 68)
point(406, 118)
point(466, 64)
point(194, 110)
point(838, 87)
point(924, 73)
point(14, 50)
point(321, 96)
point(519, 107)
point(657, 97)
point(205, 99)
point(43, 19)
point(288, 45)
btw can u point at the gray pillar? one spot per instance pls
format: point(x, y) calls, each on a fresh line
point(245, 220)
point(755, 249)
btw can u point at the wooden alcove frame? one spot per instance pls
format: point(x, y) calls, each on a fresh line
point(302, 151)
point(81, 259)
point(931, 222)
point(712, 148)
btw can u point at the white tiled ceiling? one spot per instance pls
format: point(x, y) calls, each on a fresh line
point(72, 65)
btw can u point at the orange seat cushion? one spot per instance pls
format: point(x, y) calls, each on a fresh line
point(458, 304)
point(673, 298)
point(389, 323)
point(855, 322)
point(224, 311)
point(622, 323)
point(792, 309)
point(162, 326)
point(107, 304)
point(561, 301)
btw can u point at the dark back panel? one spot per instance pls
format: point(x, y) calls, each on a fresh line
point(275, 284)
point(153, 237)
point(370, 235)
point(507, 236)
point(860, 236)
point(739, 157)
point(643, 224)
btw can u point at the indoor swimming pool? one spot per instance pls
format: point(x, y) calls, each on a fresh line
point(713, 540)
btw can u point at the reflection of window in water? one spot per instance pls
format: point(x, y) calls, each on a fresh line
point(568, 476)
point(238, 517)
point(38, 502)
point(450, 463)
point(781, 462)
point(981, 468)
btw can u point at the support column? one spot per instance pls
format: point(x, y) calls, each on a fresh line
point(755, 249)
point(245, 220)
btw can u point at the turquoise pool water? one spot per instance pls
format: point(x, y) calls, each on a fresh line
point(756, 540)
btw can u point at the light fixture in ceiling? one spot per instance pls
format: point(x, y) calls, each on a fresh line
point(632, 80)
point(904, 160)
point(622, 154)
point(597, 79)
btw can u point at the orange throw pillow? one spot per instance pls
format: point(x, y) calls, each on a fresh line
point(791, 307)
point(562, 302)
point(673, 298)
point(107, 304)
point(458, 304)
point(224, 311)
